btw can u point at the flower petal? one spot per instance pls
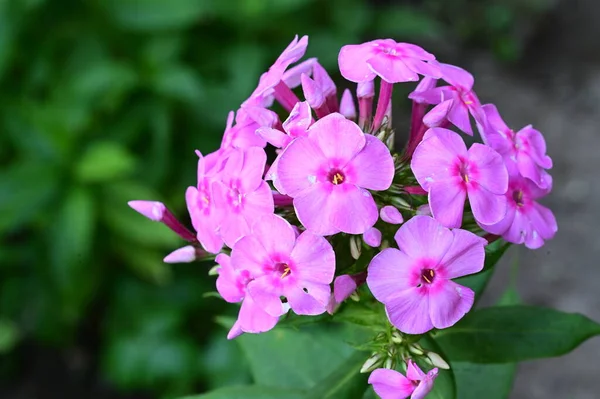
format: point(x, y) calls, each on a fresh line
point(391, 69)
point(299, 165)
point(488, 208)
point(354, 209)
point(308, 299)
point(390, 384)
point(448, 303)
point(490, 171)
point(447, 201)
point(227, 282)
point(373, 166)
point(465, 256)
point(408, 311)
point(315, 208)
point(253, 319)
point(313, 258)
point(391, 214)
point(249, 254)
point(275, 234)
point(388, 274)
point(424, 237)
point(353, 62)
point(338, 138)
point(425, 386)
point(266, 295)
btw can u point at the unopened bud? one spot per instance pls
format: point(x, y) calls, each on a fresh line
point(214, 270)
point(354, 296)
point(372, 363)
point(437, 361)
point(389, 363)
point(186, 254)
point(355, 247)
point(416, 349)
point(397, 338)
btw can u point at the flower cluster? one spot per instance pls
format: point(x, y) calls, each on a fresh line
point(283, 190)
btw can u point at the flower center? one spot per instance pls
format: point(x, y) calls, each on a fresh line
point(463, 171)
point(336, 177)
point(427, 276)
point(283, 268)
point(518, 197)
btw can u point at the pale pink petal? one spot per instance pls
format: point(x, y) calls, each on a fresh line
point(252, 170)
point(353, 209)
point(435, 95)
point(448, 303)
point(291, 77)
point(391, 69)
point(465, 256)
point(324, 80)
point(458, 115)
point(338, 138)
point(457, 76)
point(408, 311)
point(343, 287)
point(273, 136)
point(249, 254)
point(425, 386)
point(352, 61)
point(258, 203)
point(438, 114)
point(423, 68)
point(447, 201)
point(490, 171)
point(372, 237)
point(424, 237)
point(235, 331)
point(391, 214)
point(266, 295)
point(299, 120)
point(390, 384)
point(543, 221)
point(153, 210)
point(314, 258)
point(413, 372)
point(347, 106)
point(537, 146)
point(299, 165)
point(275, 234)
point(313, 93)
point(488, 208)
point(227, 282)
point(374, 166)
point(315, 208)
point(519, 228)
point(435, 156)
point(253, 319)
point(186, 254)
point(308, 299)
point(205, 222)
point(529, 169)
point(388, 274)
point(502, 226)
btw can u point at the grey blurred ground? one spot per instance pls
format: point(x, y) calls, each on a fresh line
point(557, 89)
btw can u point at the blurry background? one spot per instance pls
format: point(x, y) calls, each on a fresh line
point(104, 101)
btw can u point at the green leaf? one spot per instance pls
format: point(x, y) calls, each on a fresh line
point(9, 335)
point(295, 359)
point(179, 83)
point(489, 381)
point(104, 161)
point(345, 382)
point(515, 333)
point(250, 392)
point(148, 15)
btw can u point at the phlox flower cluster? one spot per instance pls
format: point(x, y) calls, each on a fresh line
point(286, 188)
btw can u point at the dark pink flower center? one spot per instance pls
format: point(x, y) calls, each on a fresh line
point(463, 171)
point(283, 268)
point(336, 176)
point(427, 276)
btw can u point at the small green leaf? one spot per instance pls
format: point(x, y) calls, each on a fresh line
point(104, 161)
point(489, 381)
point(515, 333)
point(295, 359)
point(250, 392)
point(9, 335)
point(345, 382)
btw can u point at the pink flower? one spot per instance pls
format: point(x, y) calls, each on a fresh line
point(296, 125)
point(204, 211)
point(390, 384)
point(232, 286)
point(450, 173)
point(526, 221)
point(328, 173)
point(455, 101)
point(524, 150)
point(415, 283)
point(243, 134)
point(241, 193)
point(283, 265)
point(391, 61)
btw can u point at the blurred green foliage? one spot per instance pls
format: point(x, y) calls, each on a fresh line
point(104, 101)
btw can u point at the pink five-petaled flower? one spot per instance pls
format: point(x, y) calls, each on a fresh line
point(391, 61)
point(415, 283)
point(204, 211)
point(450, 173)
point(456, 100)
point(242, 193)
point(524, 150)
point(526, 221)
point(283, 265)
point(390, 384)
point(328, 173)
point(231, 285)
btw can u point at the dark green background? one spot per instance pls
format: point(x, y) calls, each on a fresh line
point(105, 101)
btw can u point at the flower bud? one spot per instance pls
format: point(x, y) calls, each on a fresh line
point(355, 247)
point(214, 270)
point(372, 363)
point(437, 361)
point(397, 338)
point(416, 349)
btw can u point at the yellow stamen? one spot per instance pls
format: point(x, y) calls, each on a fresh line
point(338, 178)
point(428, 276)
point(286, 271)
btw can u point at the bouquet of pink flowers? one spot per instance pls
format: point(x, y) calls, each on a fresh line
point(307, 205)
